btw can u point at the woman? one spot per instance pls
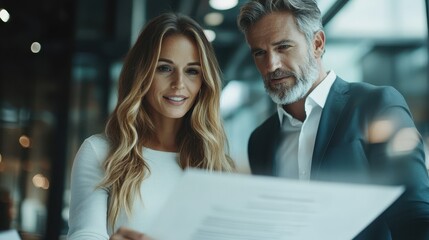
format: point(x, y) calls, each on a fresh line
point(166, 119)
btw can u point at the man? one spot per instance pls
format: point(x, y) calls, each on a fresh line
point(326, 128)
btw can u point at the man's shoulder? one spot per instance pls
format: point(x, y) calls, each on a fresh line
point(369, 91)
point(364, 86)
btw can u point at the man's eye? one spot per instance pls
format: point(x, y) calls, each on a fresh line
point(283, 46)
point(258, 53)
point(164, 68)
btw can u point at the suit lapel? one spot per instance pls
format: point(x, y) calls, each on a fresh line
point(335, 103)
point(275, 130)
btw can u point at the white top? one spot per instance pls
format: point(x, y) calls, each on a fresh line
point(88, 208)
point(295, 152)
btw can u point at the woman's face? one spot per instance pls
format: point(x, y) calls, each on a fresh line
point(177, 78)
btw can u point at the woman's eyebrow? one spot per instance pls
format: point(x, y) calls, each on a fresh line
point(165, 60)
point(194, 63)
point(171, 62)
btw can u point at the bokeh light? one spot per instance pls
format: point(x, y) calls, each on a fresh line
point(4, 15)
point(40, 181)
point(213, 19)
point(210, 34)
point(223, 4)
point(35, 47)
point(25, 141)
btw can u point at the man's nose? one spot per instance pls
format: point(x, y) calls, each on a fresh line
point(273, 62)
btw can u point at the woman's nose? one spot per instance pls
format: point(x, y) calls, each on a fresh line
point(177, 83)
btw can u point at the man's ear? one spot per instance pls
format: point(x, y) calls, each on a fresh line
point(319, 44)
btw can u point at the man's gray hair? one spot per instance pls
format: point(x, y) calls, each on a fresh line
point(306, 12)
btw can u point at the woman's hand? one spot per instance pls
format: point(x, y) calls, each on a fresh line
point(127, 234)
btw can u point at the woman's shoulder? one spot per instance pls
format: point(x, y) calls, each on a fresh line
point(99, 140)
point(97, 145)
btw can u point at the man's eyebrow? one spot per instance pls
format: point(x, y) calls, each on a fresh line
point(281, 42)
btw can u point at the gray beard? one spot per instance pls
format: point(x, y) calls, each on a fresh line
point(285, 93)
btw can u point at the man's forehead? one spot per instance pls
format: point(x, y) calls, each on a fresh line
point(274, 29)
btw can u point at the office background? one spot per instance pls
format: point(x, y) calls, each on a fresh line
point(60, 61)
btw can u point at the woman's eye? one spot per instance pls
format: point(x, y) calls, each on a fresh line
point(164, 68)
point(193, 71)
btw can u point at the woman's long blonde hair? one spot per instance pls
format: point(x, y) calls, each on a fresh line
point(201, 141)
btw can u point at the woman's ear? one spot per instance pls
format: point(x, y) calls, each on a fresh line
point(319, 43)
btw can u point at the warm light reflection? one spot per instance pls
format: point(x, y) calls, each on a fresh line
point(380, 131)
point(36, 47)
point(223, 4)
point(24, 141)
point(1, 164)
point(213, 19)
point(210, 34)
point(40, 181)
point(404, 141)
point(4, 15)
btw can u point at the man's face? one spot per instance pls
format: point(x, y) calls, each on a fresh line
point(283, 57)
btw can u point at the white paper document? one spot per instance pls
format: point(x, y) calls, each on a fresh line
point(216, 206)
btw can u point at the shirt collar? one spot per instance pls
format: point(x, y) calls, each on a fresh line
point(320, 93)
point(317, 96)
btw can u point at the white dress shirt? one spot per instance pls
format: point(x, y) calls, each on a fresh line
point(295, 150)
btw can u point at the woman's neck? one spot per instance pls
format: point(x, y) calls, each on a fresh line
point(165, 135)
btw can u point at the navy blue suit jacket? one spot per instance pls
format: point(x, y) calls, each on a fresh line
point(343, 152)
